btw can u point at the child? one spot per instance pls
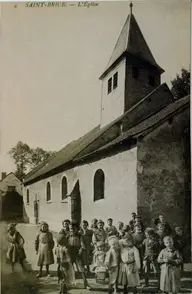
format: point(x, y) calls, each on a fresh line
point(44, 245)
point(110, 229)
point(66, 274)
point(127, 232)
point(99, 262)
point(179, 240)
point(112, 262)
point(120, 232)
point(100, 234)
point(161, 232)
point(151, 251)
point(161, 220)
point(138, 222)
point(132, 221)
point(86, 236)
point(129, 265)
point(94, 223)
point(65, 228)
point(170, 261)
point(15, 252)
point(76, 247)
point(138, 238)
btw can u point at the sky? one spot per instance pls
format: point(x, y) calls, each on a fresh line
point(51, 59)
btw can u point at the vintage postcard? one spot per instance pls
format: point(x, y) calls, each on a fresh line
point(95, 188)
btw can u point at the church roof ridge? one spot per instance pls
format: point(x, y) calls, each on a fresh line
point(145, 126)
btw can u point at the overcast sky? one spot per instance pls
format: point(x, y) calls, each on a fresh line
point(51, 58)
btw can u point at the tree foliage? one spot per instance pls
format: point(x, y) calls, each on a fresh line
point(26, 158)
point(181, 84)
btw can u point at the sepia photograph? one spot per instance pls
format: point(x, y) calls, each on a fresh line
point(95, 154)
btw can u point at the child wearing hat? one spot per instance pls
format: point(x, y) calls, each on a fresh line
point(170, 260)
point(44, 245)
point(112, 260)
point(15, 251)
point(129, 265)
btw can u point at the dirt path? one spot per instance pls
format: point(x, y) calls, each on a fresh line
point(20, 283)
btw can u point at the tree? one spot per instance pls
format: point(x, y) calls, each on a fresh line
point(181, 84)
point(26, 158)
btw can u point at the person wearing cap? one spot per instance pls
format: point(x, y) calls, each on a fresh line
point(110, 228)
point(100, 234)
point(44, 245)
point(86, 236)
point(15, 251)
point(112, 261)
point(76, 248)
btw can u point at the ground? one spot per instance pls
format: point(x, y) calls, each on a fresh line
point(19, 283)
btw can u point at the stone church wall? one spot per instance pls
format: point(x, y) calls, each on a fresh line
point(164, 172)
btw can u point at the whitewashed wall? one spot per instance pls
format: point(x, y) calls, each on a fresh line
point(11, 180)
point(120, 187)
point(112, 104)
point(120, 191)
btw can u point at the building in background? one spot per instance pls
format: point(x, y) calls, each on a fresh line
point(137, 159)
point(11, 197)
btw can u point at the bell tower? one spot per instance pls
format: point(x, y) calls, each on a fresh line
point(131, 73)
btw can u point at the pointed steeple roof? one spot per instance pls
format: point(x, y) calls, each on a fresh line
point(131, 41)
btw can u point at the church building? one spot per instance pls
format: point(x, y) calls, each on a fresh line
point(136, 160)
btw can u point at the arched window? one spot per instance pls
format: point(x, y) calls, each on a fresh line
point(64, 188)
point(27, 200)
point(48, 192)
point(99, 185)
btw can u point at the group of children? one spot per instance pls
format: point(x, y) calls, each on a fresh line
point(122, 253)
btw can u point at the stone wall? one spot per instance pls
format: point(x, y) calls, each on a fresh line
point(163, 172)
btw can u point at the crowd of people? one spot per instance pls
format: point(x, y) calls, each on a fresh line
point(123, 253)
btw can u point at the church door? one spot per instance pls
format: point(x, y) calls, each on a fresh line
point(76, 204)
point(36, 211)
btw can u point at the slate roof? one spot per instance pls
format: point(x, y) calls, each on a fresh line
point(131, 40)
point(147, 125)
